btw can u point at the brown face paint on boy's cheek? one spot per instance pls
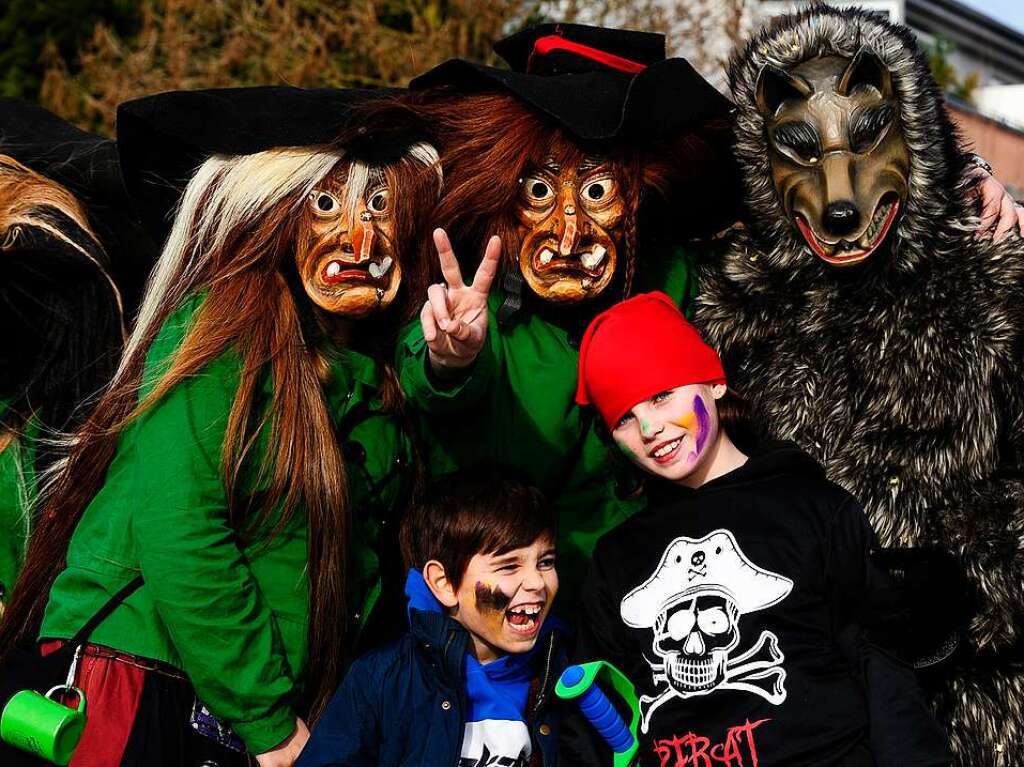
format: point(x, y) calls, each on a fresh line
point(491, 603)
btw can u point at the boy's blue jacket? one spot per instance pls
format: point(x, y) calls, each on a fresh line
point(405, 704)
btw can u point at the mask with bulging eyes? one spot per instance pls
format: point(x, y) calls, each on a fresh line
point(346, 253)
point(570, 221)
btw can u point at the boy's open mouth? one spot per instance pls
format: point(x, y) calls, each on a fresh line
point(524, 619)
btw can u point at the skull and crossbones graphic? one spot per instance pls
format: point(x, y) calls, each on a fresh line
point(693, 603)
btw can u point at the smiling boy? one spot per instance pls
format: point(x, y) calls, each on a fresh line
point(471, 682)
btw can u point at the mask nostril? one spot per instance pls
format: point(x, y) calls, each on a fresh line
point(841, 218)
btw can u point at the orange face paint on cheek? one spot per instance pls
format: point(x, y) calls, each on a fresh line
point(696, 423)
point(688, 421)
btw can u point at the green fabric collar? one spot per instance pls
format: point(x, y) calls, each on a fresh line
point(349, 365)
point(355, 378)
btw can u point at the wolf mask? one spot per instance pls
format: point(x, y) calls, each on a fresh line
point(839, 161)
point(862, 318)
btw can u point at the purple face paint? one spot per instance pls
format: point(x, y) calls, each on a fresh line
point(703, 422)
point(703, 425)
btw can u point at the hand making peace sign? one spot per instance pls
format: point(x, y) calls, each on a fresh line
point(454, 318)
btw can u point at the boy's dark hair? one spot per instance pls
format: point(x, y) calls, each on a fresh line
point(486, 510)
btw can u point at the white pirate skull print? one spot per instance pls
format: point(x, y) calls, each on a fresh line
point(693, 603)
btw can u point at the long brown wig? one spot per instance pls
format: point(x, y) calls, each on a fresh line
point(233, 238)
point(489, 140)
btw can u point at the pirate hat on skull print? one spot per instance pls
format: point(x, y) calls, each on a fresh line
point(595, 82)
point(689, 568)
point(164, 138)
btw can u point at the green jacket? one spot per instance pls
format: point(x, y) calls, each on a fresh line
point(17, 493)
point(516, 407)
point(233, 618)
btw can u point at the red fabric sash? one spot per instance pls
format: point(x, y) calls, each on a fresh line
point(548, 43)
point(113, 690)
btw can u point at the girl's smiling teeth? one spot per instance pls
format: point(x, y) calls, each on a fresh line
point(667, 448)
point(666, 451)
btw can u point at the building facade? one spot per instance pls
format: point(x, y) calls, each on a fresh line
point(978, 47)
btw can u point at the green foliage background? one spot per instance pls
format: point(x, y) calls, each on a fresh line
point(81, 58)
point(945, 73)
point(31, 30)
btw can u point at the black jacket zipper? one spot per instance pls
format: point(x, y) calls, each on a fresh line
point(458, 703)
point(543, 695)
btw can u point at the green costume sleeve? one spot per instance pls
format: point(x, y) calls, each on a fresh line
point(430, 394)
point(17, 498)
point(675, 272)
point(199, 579)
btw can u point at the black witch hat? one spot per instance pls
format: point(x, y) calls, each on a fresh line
point(164, 138)
point(66, 282)
point(598, 83)
point(87, 165)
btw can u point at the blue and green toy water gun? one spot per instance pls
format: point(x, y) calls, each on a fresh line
point(579, 683)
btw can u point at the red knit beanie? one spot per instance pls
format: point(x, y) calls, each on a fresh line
point(639, 348)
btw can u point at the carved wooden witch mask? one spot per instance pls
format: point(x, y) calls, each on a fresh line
point(570, 213)
point(554, 151)
point(347, 251)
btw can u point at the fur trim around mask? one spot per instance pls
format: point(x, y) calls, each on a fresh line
point(936, 160)
point(905, 381)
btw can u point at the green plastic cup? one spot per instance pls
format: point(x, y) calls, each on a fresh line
point(40, 725)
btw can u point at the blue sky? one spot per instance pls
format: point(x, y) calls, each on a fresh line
point(1009, 12)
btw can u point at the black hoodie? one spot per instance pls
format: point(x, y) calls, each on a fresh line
point(724, 606)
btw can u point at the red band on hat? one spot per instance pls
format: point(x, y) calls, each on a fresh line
point(548, 43)
point(637, 349)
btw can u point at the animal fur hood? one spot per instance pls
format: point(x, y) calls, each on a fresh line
point(902, 377)
point(936, 162)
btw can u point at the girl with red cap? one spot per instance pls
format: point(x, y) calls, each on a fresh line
point(656, 384)
point(729, 601)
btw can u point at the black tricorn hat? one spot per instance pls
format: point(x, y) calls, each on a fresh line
point(596, 82)
point(164, 138)
point(87, 165)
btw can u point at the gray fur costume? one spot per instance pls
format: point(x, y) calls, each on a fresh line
point(904, 376)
